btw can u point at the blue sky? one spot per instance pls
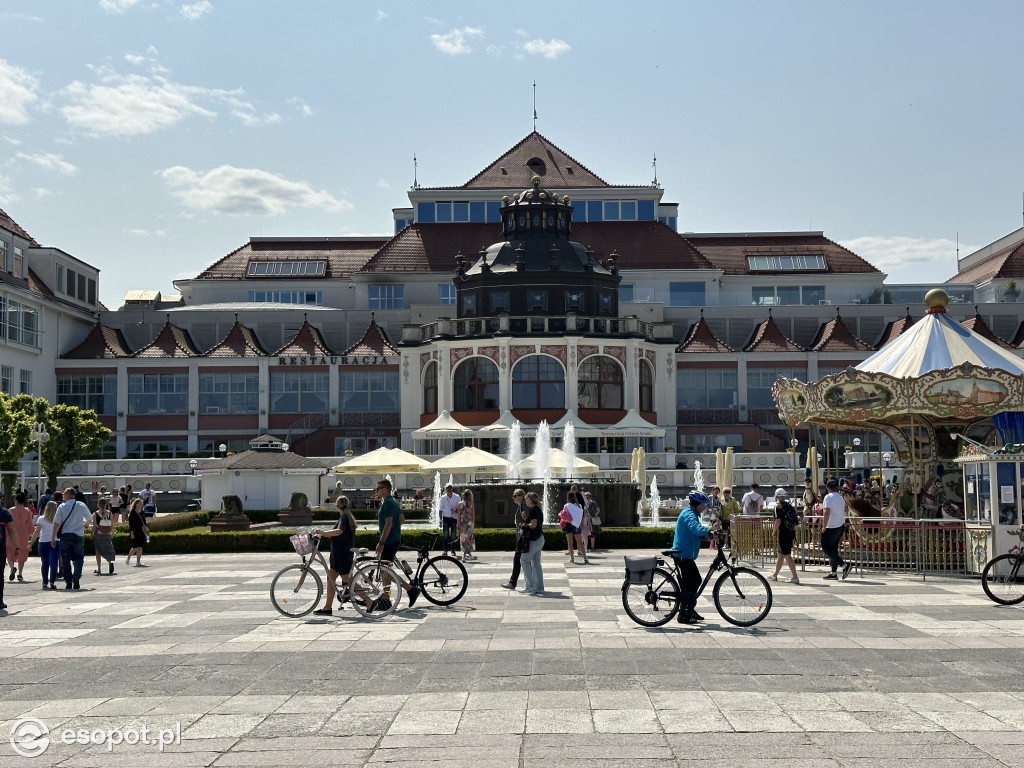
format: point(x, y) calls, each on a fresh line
point(151, 137)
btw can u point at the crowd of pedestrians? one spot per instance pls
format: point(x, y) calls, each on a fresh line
point(55, 528)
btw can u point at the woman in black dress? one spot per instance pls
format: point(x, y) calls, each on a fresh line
point(343, 539)
point(136, 532)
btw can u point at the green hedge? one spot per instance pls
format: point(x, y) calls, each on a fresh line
point(270, 515)
point(199, 539)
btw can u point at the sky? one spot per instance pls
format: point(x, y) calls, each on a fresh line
point(152, 137)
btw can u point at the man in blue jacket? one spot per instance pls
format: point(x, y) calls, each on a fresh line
point(685, 548)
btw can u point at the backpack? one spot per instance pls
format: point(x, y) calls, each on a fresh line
point(790, 518)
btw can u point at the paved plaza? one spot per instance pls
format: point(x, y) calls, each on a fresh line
point(879, 670)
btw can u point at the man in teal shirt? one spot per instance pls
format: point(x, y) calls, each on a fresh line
point(389, 526)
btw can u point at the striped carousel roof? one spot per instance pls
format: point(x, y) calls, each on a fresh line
point(937, 342)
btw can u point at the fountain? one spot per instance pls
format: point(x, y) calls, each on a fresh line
point(451, 481)
point(394, 488)
point(698, 477)
point(569, 448)
point(655, 502)
point(515, 451)
point(435, 503)
point(542, 461)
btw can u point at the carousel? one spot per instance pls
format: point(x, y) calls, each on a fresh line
point(950, 403)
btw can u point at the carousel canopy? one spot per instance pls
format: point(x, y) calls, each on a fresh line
point(936, 343)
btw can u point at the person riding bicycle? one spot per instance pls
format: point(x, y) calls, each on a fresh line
point(685, 548)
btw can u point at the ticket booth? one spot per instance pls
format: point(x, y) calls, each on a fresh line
point(993, 488)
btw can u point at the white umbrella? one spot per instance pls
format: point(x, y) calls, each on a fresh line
point(812, 464)
point(384, 460)
point(727, 474)
point(469, 459)
point(719, 467)
point(444, 427)
point(632, 466)
point(641, 467)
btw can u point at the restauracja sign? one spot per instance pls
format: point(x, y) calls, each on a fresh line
point(331, 360)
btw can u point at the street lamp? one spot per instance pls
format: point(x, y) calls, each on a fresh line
point(886, 457)
point(223, 448)
point(794, 443)
point(193, 464)
point(40, 435)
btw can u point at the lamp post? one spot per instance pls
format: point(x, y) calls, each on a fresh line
point(40, 435)
point(223, 449)
point(794, 443)
point(886, 457)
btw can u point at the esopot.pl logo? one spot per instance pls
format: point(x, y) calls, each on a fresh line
point(30, 737)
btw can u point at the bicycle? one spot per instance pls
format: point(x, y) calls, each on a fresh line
point(442, 579)
point(1003, 577)
point(651, 594)
point(296, 589)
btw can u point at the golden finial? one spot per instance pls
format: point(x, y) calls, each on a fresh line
point(936, 300)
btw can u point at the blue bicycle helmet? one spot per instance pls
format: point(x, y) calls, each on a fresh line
point(696, 497)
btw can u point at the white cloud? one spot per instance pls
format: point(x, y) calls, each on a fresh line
point(549, 49)
point(7, 193)
point(245, 192)
point(494, 50)
point(149, 55)
point(909, 259)
point(195, 11)
point(41, 192)
point(117, 6)
point(383, 184)
point(17, 92)
point(50, 162)
point(129, 105)
point(300, 105)
point(455, 42)
point(137, 232)
point(381, 15)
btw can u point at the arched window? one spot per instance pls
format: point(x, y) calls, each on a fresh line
point(600, 383)
point(646, 386)
point(430, 388)
point(538, 381)
point(475, 387)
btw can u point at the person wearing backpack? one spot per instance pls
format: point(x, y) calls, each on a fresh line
point(786, 522)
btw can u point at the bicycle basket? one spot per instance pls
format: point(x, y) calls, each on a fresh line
point(640, 570)
point(303, 543)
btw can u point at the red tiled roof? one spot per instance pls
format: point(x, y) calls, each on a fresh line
point(12, 226)
point(343, 255)
point(535, 156)
point(102, 343)
point(1008, 262)
point(172, 341)
point(980, 327)
point(374, 342)
point(307, 341)
point(638, 245)
point(729, 253)
point(835, 336)
point(240, 342)
point(701, 339)
point(768, 338)
point(894, 329)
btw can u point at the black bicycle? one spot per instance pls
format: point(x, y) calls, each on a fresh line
point(1003, 577)
point(442, 579)
point(651, 593)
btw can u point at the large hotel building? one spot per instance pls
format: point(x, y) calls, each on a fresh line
point(534, 290)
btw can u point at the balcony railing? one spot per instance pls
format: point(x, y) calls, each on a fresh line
point(509, 325)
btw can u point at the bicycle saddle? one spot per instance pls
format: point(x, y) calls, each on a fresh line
point(671, 553)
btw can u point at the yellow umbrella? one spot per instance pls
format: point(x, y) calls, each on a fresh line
point(384, 460)
point(812, 464)
point(632, 466)
point(469, 459)
point(641, 468)
point(719, 468)
point(727, 476)
point(559, 462)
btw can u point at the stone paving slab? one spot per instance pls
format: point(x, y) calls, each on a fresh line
point(878, 670)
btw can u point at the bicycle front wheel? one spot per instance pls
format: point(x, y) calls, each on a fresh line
point(654, 604)
point(375, 589)
point(296, 590)
point(742, 596)
point(444, 580)
point(1003, 579)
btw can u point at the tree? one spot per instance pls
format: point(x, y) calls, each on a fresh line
point(15, 426)
point(74, 433)
point(1012, 291)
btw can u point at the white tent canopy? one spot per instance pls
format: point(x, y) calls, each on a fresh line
point(501, 427)
point(633, 425)
point(444, 427)
point(471, 460)
point(582, 429)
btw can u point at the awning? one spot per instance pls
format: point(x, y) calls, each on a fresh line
point(444, 427)
point(581, 428)
point(633, 425)
point(469, 459)
point(384, 460)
